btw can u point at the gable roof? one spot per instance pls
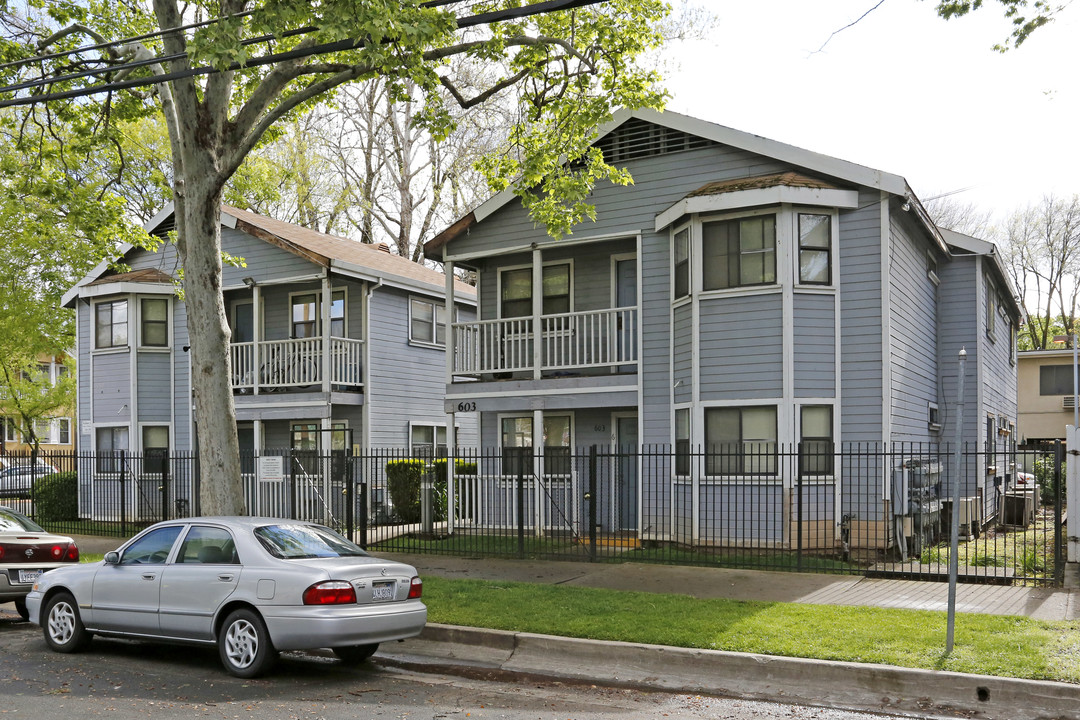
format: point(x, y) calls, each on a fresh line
point(968, 245)
point(843, 170)
point(338, 254)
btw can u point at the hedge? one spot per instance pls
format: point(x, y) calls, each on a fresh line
point(403, 481)
point(56, 497)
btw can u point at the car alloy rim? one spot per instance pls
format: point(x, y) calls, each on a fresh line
point(241, 643)
point(61, 622)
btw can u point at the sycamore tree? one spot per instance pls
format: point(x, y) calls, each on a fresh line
point(225, 73)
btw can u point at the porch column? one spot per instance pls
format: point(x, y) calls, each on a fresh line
point(538, 468)
point(324, 312)
point(537, 311)
point(451, 340)
point(256, 335)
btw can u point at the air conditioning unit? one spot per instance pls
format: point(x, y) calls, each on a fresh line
point(969, 516)
point(1068, 402)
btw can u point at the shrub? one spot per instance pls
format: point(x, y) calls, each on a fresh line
point(1044, 475)
point(462, 468)
point(403, 482)
point(56, 497)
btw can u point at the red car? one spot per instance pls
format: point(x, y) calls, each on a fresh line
point(27, 551)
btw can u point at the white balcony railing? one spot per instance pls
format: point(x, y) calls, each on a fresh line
point(596, 338)
point(297, 363)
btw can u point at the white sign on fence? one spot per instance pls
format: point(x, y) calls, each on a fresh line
point(271, 468)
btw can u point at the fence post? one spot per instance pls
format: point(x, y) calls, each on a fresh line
point(164, 485)
point(1059, 535)
point(521, 504)
point(590, 497)
point(347, 491)
point(799, 509)
point(123, 493)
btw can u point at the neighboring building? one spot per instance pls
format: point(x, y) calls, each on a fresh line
point(55, 433)
point(741, 293)
point(333, 342)
point(1047, 395)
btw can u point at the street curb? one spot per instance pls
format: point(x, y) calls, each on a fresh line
point(855, 686)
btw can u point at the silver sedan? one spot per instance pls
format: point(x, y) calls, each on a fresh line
point(253, 586)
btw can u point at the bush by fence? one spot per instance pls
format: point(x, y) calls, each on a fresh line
point(57, 497)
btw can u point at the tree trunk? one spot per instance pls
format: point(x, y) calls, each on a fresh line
point(198, 210)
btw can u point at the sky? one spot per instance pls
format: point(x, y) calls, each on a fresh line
point(902, 91)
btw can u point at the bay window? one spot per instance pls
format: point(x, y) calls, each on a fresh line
point(739, 252)
point(815, 249)
point(110, 324)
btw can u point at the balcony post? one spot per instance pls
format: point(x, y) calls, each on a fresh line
point(256, 337)
point(451, 339)
point(324, 354)
point(537, 311)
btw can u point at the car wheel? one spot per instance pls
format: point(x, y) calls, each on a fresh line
point(244, 645)
point(355, 653)
point(20, 607)
point(64, 630)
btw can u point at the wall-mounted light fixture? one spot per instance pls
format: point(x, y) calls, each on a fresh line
point(250, 282)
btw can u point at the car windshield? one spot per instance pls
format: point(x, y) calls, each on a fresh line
point(11, 520)
point(295, 542)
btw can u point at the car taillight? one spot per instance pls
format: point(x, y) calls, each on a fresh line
point(72, 554)
point(332, 592)
point(416, 588)
point(1, 552)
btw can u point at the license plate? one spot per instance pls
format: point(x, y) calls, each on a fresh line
point(29, 576)
point(383, 590)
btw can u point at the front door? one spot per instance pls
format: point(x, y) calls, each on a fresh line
point(626, 472)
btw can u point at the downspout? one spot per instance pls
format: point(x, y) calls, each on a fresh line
point(365, 370)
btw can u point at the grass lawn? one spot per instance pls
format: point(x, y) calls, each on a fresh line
point(986, 644)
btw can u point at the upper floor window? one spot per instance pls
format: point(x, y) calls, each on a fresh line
point(741, 440)
point(738, 252)
point(991, 309)
point(815, 249)
point(111, 324)
point(427, 321)
point(682, 263)
point(516, 291)
point(154, 320)
point(304, 314)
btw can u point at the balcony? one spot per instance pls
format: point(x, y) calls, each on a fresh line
point(568, 342)
point(280, 365)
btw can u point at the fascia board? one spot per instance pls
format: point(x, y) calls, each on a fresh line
point(124, 288)
point(363, 273)
point(756, 198)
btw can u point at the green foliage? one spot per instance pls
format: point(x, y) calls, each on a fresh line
point(1045, 477)
point(56, 497)
point(403, 482)
point(1026, 16)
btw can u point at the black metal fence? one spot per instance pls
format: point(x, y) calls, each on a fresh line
point(859, 509)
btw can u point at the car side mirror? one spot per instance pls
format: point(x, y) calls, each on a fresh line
point(112, 558)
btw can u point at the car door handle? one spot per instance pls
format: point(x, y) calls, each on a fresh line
point(149, 576)
point(225, 578)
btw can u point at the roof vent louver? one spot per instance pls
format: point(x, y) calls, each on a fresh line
point(636, 139)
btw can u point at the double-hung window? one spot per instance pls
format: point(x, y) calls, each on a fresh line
point(154, 319)
point(111, 324)
point(739, 252)
point(816, 445)
point(304, 313)
point(682, 441)
point(155, 446)
point(741, 440)
point(427, 321)
point(428, 441)
point(815, 249)
point(991, 309)
point(682, 264)
point(517, 291)
point(111, 443)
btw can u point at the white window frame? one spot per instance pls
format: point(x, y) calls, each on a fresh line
point(991, 309)
point(690, 285)
point(97, 448)
point(143, 426)
point(11, 431)
point(834, 431)
point(317, 292)
point(546, 263)
point(697, 243)
point(94, 325)
point(932, 268)
point(553, 413)
point(436, 306)
point(435, 427)
point(168, 323)
point(60, 431)
point(777, 476)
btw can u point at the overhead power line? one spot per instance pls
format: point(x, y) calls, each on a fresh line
point(323, 49)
